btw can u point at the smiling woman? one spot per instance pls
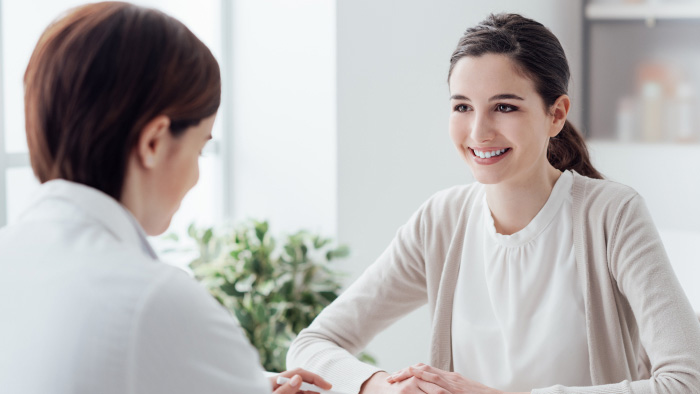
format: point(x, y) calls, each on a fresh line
point(498, 114)
point(540, 277)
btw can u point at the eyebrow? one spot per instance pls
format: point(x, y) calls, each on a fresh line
point(503, 96)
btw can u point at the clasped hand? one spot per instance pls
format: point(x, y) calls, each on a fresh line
point(422, 378)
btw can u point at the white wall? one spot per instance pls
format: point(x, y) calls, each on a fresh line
point(284, 157)
point(393, 146)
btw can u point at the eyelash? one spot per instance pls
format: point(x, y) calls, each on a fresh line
point(505, 108)
point(458, 106)
point(508, 108)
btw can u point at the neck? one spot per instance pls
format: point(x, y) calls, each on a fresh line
point(135, 193)
point(514, 204)
point(132, 200)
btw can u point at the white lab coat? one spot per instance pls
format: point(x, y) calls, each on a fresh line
point(85, 307)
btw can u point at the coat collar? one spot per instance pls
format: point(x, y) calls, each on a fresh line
point(95, 206)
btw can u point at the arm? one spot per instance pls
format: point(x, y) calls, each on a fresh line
point(390, 288)
point(643, 282)
point(185, 342)
point(668, 328)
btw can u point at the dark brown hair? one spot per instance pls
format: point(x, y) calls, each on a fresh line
point(538, 54)
point(97, 76)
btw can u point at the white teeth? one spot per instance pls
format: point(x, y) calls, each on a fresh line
point(488, 154)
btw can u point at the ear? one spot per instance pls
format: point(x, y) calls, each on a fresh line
point(153, 141)
point(559, 111)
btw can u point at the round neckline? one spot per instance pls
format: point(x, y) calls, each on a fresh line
point(556, 199)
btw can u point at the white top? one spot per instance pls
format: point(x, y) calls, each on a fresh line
point(518, 316)
point(87, 308)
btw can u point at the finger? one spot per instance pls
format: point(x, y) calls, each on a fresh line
point(405, 373)
point(428, 368)
point(430, 388)
point(273, 382)
point(409, 385)
point(291, 387)
point(308, 377)
point(399, 376)
point(430, 377)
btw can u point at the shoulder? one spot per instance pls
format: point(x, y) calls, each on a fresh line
point(196, 343)
point(169, 294)
point(442, 215)
point(453, 200)
point(600, 203)
point(603, 194)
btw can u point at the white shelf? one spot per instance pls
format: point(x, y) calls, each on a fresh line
point(612, 143)
point(647, 12)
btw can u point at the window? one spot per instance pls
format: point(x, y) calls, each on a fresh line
point(21, 24)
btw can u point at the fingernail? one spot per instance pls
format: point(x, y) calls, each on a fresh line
point(295, 381)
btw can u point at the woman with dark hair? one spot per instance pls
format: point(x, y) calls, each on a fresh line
point(541, 276)
point(120, 100)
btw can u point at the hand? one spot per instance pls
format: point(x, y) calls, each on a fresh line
point(450, 381)
point(297, 376)
point(378, 384)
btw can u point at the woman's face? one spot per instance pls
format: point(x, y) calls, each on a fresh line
point(181, 169)
point(498, 121)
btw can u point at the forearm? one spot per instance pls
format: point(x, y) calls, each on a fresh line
point(375, 384)
point(323, 356)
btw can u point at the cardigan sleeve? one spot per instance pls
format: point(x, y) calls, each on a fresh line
point(393, 286)
point(668, 328)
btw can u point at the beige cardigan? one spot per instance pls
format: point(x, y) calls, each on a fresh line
point(643, 336)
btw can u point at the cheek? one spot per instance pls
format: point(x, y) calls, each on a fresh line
point(195, 178)
point(191, 172)
point(187, 172)
point(457, 130)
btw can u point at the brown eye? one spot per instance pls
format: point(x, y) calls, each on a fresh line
point(506, 108)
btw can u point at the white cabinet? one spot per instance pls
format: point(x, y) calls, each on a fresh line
point(650, 11)
point(641, 63)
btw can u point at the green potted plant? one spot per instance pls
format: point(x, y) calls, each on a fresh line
point(274, 290)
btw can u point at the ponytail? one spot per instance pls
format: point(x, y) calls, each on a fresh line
point(568, 151)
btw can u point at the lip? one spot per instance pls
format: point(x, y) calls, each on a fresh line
point(490, 160)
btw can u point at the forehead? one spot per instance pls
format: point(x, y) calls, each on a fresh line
point(488, 75)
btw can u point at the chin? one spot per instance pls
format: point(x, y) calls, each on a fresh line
point(158, 228)
point(484, 175)
point(486, 179)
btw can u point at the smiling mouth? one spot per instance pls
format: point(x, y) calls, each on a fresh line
point(487, 154)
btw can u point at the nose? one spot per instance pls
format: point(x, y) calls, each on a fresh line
point(482, 128)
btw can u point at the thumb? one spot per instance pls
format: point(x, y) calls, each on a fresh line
point(290, 387)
